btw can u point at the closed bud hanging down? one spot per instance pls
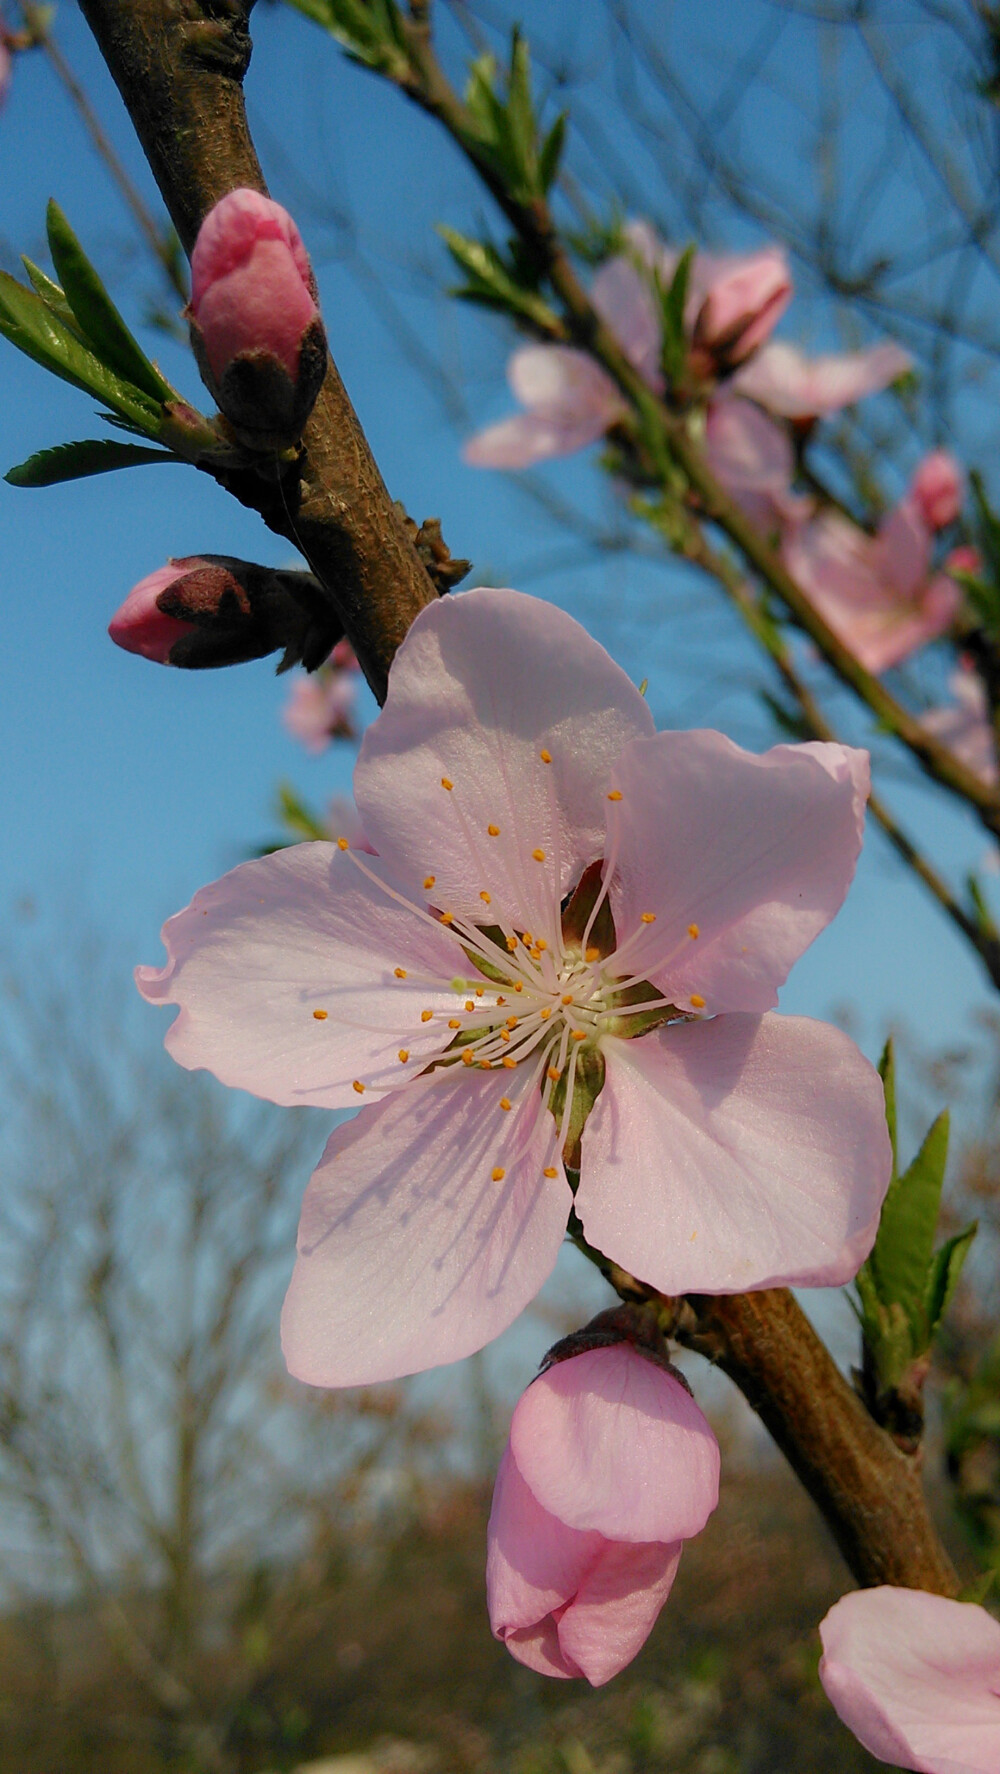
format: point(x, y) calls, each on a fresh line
point(254, 318)
point(212, 610)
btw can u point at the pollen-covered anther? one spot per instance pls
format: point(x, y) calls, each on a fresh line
point(512, 944)
point(399, 972)
point(541, 945)
point(486, 1065)
point(321, 1015)
point(519, 985)
point(468, 1057)
point(614, 794)
point(479, 993)
point(501, 1001)
point(512, 1022)
point(404, 1054)
point(494, 831)
point(550, 1171)
point(578, 1034)
point(505, 1034)
point(539, 855)
point(425, 1015)
point(505, 1103)
point(592, 954)
point(498, 1173)
point(485, 897)
point(429, 881)
point(447, 917)
point(508, 1062)
point(567, 998)
point(647, 917)
point(697, 1000)
point(446, 782)
point(454, 1022)
point(469, 1005)
point(694, 932)
point(554, 1073)
point(545, 1012)
point(342, 844)
point(545, 755)
point(358, 1086)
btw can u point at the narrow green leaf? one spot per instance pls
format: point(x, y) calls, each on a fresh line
point(74, 461)
point(904, 1247)
point(887, 1073)
point(984, 917)
point(31, 325)
point(520, 110)
point(297, 816)
point(97, 313)
point(942, 1277)
point(52, 294)
point(672, 303)
point(491, 281)
point(550, 153)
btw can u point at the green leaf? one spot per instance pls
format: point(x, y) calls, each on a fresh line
point(904, 1247)
point(520, 111)
point(550, 153)
point(74, 461)
point(491, 282)
point(97, 314)
point(984, 917)
point(297, 816)
point(370, 32)
point(30, 324)
point(53, 295)
point(672, 303)
point(978, 1590)
point(942, 1277)
point(887, 1073)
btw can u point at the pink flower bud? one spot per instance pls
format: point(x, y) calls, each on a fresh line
point(937, 488)
point(744, 301)
point(610, 1466)
point(140, 626)
point(254, 315)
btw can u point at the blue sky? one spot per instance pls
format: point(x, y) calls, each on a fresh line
point(125, 786)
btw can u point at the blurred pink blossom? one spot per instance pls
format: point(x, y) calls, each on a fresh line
point(320, 705)
point(140, 626)
point(583, 1545)
point(511, 757)
point(744, 299)
point(916, 1677)
point(793, 386)
point(937, 487)
point(751, 457)
point(964, 725)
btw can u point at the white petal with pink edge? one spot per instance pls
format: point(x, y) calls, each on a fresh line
point(735, 860)
point(297, 975)
point(916, 1677)
point(741, 1153)
point(426, 1228)
point(588, 1433)
point(488, 767)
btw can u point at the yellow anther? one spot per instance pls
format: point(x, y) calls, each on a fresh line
point(342, 844)
point(425, 1015)
point(485, 1065)
point(536, 954)
point(446, 782)
point(512, 944)
point(519, 985)
point(400, 972)
point(541, 944)
point(494, 831)
point(527, 938)
point(512, 1022)
point(546, 756)
point(468, 1057)
point(567, 998)
point(359, 1087)
point(479, 993)
point(554, 1073)
point(614, 794)
point(501, 1001)
point(320, 1015)
point(498, 1174)
point(505, 1034)
point(550, 1171)
point(447, 917)
point(578, 1034)
point(508, 1062)
point(647, 918)
point(697, 1000)
point(469, 1005)
point(454, 1022)
point(505, 1103)
point(693, 931)
point(592, 954)
point(484, 896)
point(404, 1054)
point(539, 855)
point(545, 1012)
point(429, 881)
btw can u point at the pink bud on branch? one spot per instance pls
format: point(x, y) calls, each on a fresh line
point(211, 610)
point(746, 298)
point(254, 317)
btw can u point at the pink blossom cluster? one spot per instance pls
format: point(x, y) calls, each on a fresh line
point(320, 706)
point(881, 594)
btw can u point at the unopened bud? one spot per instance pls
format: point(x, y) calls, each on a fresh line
point(937, 488)
point(741, 309)
point(254, 318)
point(212, 610)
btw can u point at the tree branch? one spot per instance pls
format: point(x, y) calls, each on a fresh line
point(179, 68)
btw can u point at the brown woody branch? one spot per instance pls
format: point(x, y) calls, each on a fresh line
point(179, 65)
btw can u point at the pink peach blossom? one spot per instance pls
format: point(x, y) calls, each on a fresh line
point(879, 593)
point(140, 626)
point(745, 298)
point(751, 457)
point(441, 983)
point(320, 707)
point(916, 1677)
point(582, 1546)
point(793, 386)
point(965, 726)
point(937, 489)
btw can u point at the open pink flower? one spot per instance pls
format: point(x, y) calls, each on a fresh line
point(916, 1677)
point(448, 984)
point(878, 593)
point(320, 705)
point(965, 726)
point(569, 400)
point(788, 383)
point(583, 1544)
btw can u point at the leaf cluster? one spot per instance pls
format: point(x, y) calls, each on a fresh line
point(371, 31)
point(504, 282)
point(503, 130)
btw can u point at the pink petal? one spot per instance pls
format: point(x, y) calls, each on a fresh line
point(903, 548)
point(526, 438)
point(608, 1441)
point(938, 489)
point(746, 451)
point(566, 386)
point(964, 725)
point(794, 386)
point(256, 953)
point(411, 1251)
point(864, 589)
point(753, 853)
point(741, 1153)
point(616, 1608)
point(916, 1677)
point(485, 683)
point(624, 301)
